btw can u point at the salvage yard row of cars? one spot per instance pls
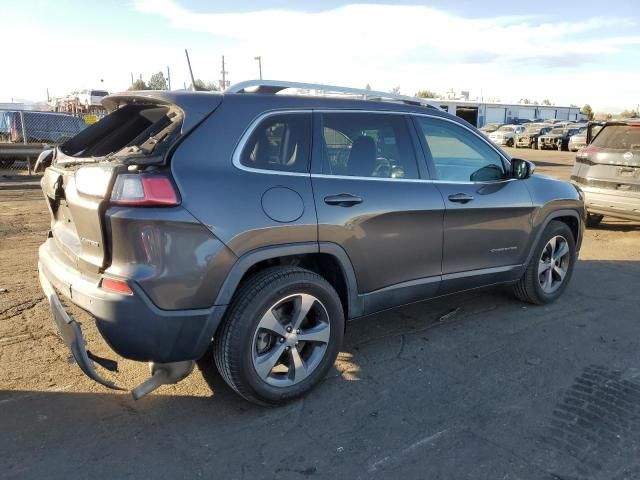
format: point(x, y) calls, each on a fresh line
point(548, 134)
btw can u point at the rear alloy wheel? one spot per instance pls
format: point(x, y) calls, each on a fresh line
point(551, 266)
point(281, 334)
point(593, 220)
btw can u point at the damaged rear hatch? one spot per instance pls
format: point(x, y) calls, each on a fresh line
point(139, 133)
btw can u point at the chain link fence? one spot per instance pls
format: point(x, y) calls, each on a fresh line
point(26, 133)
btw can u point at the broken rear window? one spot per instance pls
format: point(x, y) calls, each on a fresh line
point(129, 130)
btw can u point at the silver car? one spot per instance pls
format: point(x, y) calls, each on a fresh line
point(608, 172)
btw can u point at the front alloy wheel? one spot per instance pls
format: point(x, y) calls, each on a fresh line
point(553, 264)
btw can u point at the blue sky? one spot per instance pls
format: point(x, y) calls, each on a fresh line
point(566, 51)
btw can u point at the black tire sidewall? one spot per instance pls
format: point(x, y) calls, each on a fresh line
point(242, 345)
point(553, 229)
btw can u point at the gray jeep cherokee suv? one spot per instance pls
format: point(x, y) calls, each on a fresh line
point(259, 223)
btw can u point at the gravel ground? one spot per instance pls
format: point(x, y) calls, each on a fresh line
point(472, 386)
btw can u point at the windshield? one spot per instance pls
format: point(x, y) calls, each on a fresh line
point(625, 137)
point(557, 131)
point(505, 129)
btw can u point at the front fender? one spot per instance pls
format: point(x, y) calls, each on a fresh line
point(554, 199)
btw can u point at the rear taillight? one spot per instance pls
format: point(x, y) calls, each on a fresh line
point(116, 286)
point(93, 181)
point(585, 152)
point(143, 190)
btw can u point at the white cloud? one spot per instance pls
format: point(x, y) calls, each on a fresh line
point(415, 47)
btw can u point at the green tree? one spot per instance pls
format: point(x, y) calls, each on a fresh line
point(546, 101)
point(395, 90)
point(426, 94)
point(139, 84)
point(202, 86)
point(212, 86)
point(158, 82)
point(629, 114)
point(588, 111)
point(525, 101)
point(368, 87)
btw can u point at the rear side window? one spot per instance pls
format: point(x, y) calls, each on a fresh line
point(367, 145)
point(280, 142)
point(624, 137)
point(459, 155)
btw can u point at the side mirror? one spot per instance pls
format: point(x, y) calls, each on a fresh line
point(521, 168)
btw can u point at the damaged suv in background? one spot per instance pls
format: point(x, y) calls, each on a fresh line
point(529, 138)
point(557, 139)
point(608, 171)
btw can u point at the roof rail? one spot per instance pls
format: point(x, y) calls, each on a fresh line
point(275, 86)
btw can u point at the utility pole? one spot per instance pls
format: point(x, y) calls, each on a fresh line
point(131, 78)
point(193, 81)
point(168, 78)
point(259, 59)
point(224, 83)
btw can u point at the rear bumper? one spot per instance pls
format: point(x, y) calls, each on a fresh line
point(612, 203)
point(130, 324)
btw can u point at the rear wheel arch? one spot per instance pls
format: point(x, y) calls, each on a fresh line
point(327, 259)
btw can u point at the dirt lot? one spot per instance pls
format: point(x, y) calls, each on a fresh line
point(497, 389)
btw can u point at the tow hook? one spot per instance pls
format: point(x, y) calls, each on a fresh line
point(163, 374)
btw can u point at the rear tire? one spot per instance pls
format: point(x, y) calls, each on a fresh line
point(550, 268)
point(510, 142)
point(267, 348)
point(593, 220)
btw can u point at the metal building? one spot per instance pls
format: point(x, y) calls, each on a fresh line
point(481, 113)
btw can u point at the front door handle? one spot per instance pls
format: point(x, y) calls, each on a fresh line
point(342, 200)
point(460, 198)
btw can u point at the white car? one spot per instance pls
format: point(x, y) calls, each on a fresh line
point(506, 135)
point(91, 97)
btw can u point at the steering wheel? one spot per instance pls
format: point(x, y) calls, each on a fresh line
point(383, 168)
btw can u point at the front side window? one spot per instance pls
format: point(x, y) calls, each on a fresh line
point(459, 155)
point(367, 145)
point(279, 142)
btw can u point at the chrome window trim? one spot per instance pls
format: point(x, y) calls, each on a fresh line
point(254, 124)
point(237, 152)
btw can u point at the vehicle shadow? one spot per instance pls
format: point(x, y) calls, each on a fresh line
point(479, 373)
point(614, 225)
point(540, 163)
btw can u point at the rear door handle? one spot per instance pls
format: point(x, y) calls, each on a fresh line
point(460, 198)
point(342, 200)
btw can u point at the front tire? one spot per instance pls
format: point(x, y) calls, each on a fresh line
point(280, 336)
point(551, 266)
